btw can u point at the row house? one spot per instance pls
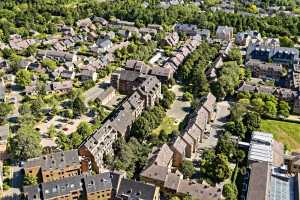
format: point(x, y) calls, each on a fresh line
point(172, 183)
point(54, 166)
point(189, 29)
point(195, 132)
point(179, 56)
point(104, 186)
point(57, 55)
point(171, 39)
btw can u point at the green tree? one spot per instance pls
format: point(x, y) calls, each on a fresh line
point(141, 128)
point(5, 109)
point(187, 169)
point(26, 143)
point(52, 131)
point(30, 180)
point(270, 108)
point(25, 108)
point(286, 42)
point(76, 139)
point(23, 77)
point(168, 97)
point(251, 121)
point(235, 55)
point(36, 107)
point(84, 129)
point(258, 104)
point(63, 142)
point(79, 106)
point(284, 109)
point(50, 64)
point(230, 191)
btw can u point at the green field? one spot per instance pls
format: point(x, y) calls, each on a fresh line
point(285, 132)
point(168, 124)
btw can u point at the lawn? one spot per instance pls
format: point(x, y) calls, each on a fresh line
point(286, 132)
point(168, 124)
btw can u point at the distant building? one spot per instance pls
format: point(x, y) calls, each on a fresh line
point(189, 29)
point(224, 33)
point(57, 55)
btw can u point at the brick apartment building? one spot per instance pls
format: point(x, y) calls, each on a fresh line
point(104, 186)
point(55, 166)
point(144, 91)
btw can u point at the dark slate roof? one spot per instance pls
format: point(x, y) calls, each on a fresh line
point(136, 190)
point(99, 182)
point(129, 75)
point(57, 160)
point(61, 187)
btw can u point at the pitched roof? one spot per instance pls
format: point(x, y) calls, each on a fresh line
point(259, 181)
point(136, 190)
point(161, 156)
point(210, 102)
point(179, 145)
point(155, 172)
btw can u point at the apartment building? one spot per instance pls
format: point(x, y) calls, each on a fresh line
point(104, 186)
point(264, 70)
point(54, 166)
point(99, 144)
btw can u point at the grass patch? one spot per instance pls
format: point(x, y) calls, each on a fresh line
point(168, 124)
point(285, 132)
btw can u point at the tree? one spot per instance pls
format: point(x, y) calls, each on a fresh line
point(84, 129)
point(258, 104)
point(26, 143)
point(30, 180)
point(252, 8)
point(230, 191)
point(286, 42)
point(235, 55)
point(52, 131)
point(63, 142)
point(76, 139)
point(36, 107)
point(25, 108)
point(79, 106)
point(141, 128)
point(168, 97)
point(5, 109)
point(23, 77)
point(284, 109)
point(50, 64)
point(187, 169)
point(270, 108)
point(227, 146)
point(187, 96)
point(251, 121)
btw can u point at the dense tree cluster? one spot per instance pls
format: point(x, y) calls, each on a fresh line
point(149, 120)
point(130, 156)
point(168, 97)
point(265, 104)
point(228, 80)
point(192, 72)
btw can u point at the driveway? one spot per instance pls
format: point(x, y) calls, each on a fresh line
point(179, 108)
point(222, 113)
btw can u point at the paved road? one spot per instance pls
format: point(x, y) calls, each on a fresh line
point(95, 91)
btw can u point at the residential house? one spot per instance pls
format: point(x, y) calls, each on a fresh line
point(86, 74)
point(244, 38)
point(268, 71)
point(84, 23)
point(67, 31)
point(224, 33)
point(188, 29)
point(68, 74)
point(57, 55)
point(64, 86)
point(104, 44)
point(54, 166)
point(171, 39)
point(204, 34)
point(179, 148)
